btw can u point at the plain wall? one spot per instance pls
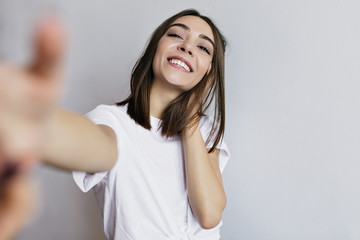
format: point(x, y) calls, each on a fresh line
point(292, 98)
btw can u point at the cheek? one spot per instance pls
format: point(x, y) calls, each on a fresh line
point(157, 58)
point(162, 45)
point(205, 66)
point(160, 51)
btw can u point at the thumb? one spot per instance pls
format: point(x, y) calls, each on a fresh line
point(49, 48)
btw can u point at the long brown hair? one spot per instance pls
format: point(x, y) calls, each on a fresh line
point(177, 115)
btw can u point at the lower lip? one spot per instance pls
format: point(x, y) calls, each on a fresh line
point(178, 67)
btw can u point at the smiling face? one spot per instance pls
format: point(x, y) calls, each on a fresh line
point(184, 54)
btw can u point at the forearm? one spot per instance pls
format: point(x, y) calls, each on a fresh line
point(205, 190)
point(73, 142)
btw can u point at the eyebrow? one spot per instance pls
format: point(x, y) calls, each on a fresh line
point(188, 29)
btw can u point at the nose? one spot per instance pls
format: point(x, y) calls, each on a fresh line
point(185, 48)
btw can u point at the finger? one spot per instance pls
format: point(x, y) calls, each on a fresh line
point(49, 48)
point(17, 203)
point(10, 167)
point(28, 162)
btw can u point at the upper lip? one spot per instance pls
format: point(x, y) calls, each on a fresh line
point(183, 60)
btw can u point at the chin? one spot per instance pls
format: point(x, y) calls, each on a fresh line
point(178, 83)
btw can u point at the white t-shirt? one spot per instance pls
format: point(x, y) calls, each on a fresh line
point(144, 196)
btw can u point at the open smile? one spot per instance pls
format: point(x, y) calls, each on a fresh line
point(180, 63)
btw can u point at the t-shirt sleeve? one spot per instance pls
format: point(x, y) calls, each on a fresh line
point(205, 129)
point(101, 115)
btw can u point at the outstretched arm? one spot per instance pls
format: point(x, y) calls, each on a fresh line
point(73, 142)
point(32, 127)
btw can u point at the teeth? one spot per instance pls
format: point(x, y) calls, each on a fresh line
point(180, 63)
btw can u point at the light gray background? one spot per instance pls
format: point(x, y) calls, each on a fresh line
point(292, 91)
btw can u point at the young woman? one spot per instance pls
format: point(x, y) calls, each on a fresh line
point(154, 159)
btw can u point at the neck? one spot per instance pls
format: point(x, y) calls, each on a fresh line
point(160, 98)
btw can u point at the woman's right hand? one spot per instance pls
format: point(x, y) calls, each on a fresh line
point(27, 97)
point(17, 203)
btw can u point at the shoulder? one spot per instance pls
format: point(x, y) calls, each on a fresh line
point(206, 124)
point(107, 109)
point(113, 116)
point(103, 111)
point(223, 155)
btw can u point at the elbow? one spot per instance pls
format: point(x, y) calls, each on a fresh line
point(211, 221)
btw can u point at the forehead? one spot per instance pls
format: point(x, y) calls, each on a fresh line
point(197, 25)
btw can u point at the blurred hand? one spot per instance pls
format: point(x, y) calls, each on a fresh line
point(27, 98)
point(17, 202)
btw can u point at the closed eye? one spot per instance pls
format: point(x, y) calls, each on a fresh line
point(174, 35)
point(205, 49)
